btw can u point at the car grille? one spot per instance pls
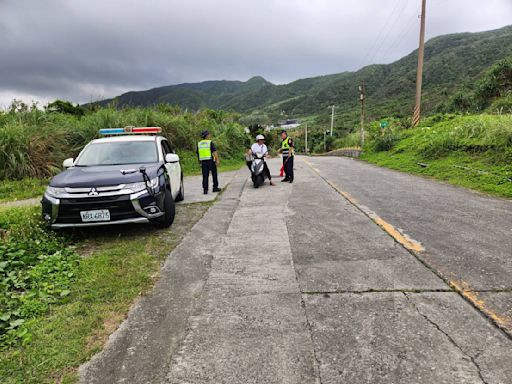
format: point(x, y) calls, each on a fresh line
point(120, 208)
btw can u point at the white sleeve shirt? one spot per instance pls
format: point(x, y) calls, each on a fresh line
point(256, 148)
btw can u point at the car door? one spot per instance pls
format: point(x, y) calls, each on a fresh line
point(173, 169)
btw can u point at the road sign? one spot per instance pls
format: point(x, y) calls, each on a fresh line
point(384, 124)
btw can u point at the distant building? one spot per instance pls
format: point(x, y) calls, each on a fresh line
point(289, 124)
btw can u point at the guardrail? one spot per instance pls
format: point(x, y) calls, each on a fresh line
point(345, 152)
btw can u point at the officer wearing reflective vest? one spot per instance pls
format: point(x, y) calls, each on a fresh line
point(287, 149)
point(209, 159)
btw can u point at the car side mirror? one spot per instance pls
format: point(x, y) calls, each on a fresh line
point(172, 158)
point(68, 163)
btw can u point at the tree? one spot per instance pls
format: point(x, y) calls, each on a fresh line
point(62, 106)
point(497, 82)
point(18, 106)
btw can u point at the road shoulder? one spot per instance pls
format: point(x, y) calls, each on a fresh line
point(140, 349)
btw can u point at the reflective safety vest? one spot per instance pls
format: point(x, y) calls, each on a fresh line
point(286, 148)
point(204, 148)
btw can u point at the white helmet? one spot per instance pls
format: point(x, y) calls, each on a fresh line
point(260, 137)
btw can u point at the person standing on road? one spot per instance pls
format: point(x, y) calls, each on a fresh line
point(260, 147)
point(209, 159)
point(287, 149)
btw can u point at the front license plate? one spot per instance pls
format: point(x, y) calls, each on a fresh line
point(98, 215)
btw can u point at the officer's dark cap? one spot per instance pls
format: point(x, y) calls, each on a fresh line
point(204, 133)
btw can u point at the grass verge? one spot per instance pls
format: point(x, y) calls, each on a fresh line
point(472, 151)
point(11, 190)
point(458, 168)
point(117, 264)
point(191, 166)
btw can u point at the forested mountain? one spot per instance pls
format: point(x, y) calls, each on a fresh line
point(211, 94)
point(452, 63)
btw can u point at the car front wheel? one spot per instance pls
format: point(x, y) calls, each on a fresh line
point(167, 219)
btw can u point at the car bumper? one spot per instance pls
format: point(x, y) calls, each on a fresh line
point(138, 207)
point(140, 220)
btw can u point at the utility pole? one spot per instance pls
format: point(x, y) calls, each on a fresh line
point(306, 139)
point(361, 98)
point(419, 75)
point(332, 118)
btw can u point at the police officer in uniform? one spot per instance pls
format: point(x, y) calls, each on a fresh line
point(287, 148)
point(209, 159)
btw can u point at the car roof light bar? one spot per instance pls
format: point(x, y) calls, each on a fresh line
point(130, 130)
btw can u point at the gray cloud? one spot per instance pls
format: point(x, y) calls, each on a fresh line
point(83, 50)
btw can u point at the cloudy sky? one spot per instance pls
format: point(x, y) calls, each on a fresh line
point(83, 50)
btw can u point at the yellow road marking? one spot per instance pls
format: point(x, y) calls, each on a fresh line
point(399, 237)
point(465, 290)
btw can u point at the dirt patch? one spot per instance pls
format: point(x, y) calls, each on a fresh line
point(99, 337)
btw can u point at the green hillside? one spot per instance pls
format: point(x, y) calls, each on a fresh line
point(195, 96)
point(452, 63)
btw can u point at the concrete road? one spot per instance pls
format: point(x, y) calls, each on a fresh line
point(466, 236)
point(194, 187)
point(305, 283)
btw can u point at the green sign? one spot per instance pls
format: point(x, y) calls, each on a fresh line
point(384, 124)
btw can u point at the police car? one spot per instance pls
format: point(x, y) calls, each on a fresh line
point(132, 175)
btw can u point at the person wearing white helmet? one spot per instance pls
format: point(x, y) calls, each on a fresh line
point(260, 147)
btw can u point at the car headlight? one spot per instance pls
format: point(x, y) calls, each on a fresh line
point(137, 187)
point(55, 191)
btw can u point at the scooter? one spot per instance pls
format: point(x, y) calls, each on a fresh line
point(257, 175)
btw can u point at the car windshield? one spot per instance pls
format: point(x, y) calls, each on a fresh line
point(121, 152)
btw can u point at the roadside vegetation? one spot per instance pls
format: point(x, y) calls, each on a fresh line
point(26, 188)
point(34, 142)
point(473, 151)
point(62, 294)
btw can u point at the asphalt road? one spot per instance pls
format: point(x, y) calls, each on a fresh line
point(353, 274)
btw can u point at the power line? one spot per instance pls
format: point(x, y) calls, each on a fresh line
point(392, 26)
point(379, 35)
point(399, 40)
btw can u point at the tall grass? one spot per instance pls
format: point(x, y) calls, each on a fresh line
point(34, 143)
point(473, 134)
point(474, 151)
point(351, 140)
point(441, 135)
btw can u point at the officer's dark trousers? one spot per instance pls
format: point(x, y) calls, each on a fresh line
point(288, 168)
point(208, 166)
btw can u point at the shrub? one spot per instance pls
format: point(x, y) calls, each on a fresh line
point(502, 105)
point(476, 134)
point(350, 140)
point(36, 270)
point(384, 139)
